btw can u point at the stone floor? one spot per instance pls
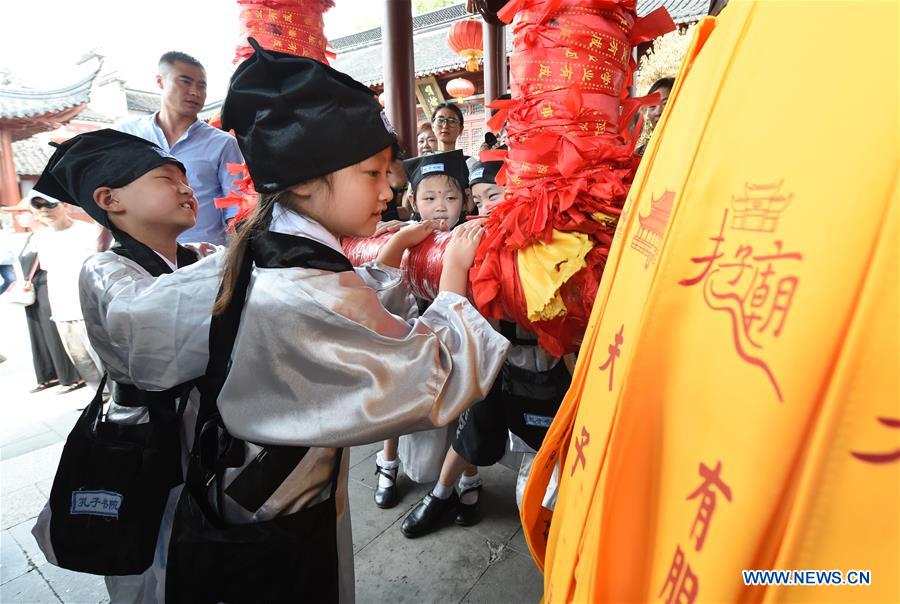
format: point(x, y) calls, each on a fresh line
point(488, 562)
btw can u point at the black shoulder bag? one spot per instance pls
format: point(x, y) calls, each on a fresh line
point(113, 479)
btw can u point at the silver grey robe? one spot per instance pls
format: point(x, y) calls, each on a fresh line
point(320, 362)
point(151, 332)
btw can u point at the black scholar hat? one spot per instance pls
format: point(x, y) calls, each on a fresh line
point(484, 172)
point(296, 119)
point(103, 158)
point(451, 163)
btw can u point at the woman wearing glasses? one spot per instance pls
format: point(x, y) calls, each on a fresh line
point(447, 122)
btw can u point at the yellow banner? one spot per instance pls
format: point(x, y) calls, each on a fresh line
point(735, 405)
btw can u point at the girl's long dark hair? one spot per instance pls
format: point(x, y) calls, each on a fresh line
point(257, 223)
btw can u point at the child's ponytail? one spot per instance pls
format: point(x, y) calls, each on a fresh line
point(257, 222)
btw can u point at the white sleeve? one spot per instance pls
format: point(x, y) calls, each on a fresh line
point(320, 362)
point(152, 332)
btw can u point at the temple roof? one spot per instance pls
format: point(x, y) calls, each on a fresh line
point(360, 55)
point(144, 101)
point(25, 111)
point(30, 156)
point(18, 101)
point(681, 11)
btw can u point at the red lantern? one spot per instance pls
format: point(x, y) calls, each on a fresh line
point(460, 88)
point(465, 39)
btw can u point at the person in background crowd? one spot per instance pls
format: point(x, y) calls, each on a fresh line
point(52, 365)
point(664, 87)
point(530, 387)
point(447, 122)
point(63, 246)
point(438, 183)
point(426, 141)
point(9, 255)
point(205, 151)
point(396, 210)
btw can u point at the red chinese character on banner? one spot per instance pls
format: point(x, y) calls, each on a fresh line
point(711, 478)
point(888, 457)
point(614, 352)
point(751, 286)
point(681, 585)
point(579, 450)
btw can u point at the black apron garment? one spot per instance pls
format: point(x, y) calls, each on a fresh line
point(482, 432)
point(111, 487)
point(113, 480)
point(531, 398)
point(290, 558)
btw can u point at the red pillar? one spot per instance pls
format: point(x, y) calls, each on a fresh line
point(495, 77)
point(9, 186)
point(399, 70)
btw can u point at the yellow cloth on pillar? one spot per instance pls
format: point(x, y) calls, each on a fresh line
point(735, 405)
point(545, 267)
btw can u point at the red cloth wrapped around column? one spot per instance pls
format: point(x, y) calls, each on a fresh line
point(421, 266)
point(571, 157)
point(292, 26)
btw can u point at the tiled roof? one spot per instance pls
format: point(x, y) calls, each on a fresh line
point(17, 102)
point(89, 115)
point(360, 55)
point(431, 52)
point(682, 11)
point(30, 156)
point(147, 101)
point(142, 100)
point(423, 21)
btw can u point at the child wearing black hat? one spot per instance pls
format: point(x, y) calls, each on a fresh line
point(305, 358)
point(517, 412)
point(147, 322)
point(486, 193)
point(438, 183)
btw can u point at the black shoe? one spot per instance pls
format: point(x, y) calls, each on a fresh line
point(467, 513)
point(72, 387)
point(427, 514)
point(386, 497)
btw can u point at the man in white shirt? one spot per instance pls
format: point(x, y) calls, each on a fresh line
point(202, 149)
point(63, 246)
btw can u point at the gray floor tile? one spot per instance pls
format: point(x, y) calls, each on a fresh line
point(441, 567)
point(22, 534)
point(518, 542)
point(62, 424)
point(30, 588)
point(9, 436)
point(497, 504)
point(21, 505)
point(27, 445)
point(369, 521)
point(30, 468)
point(13, 561)
point(511, 579)
point(364, 452)
point(44, 486)
point(74, 587)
